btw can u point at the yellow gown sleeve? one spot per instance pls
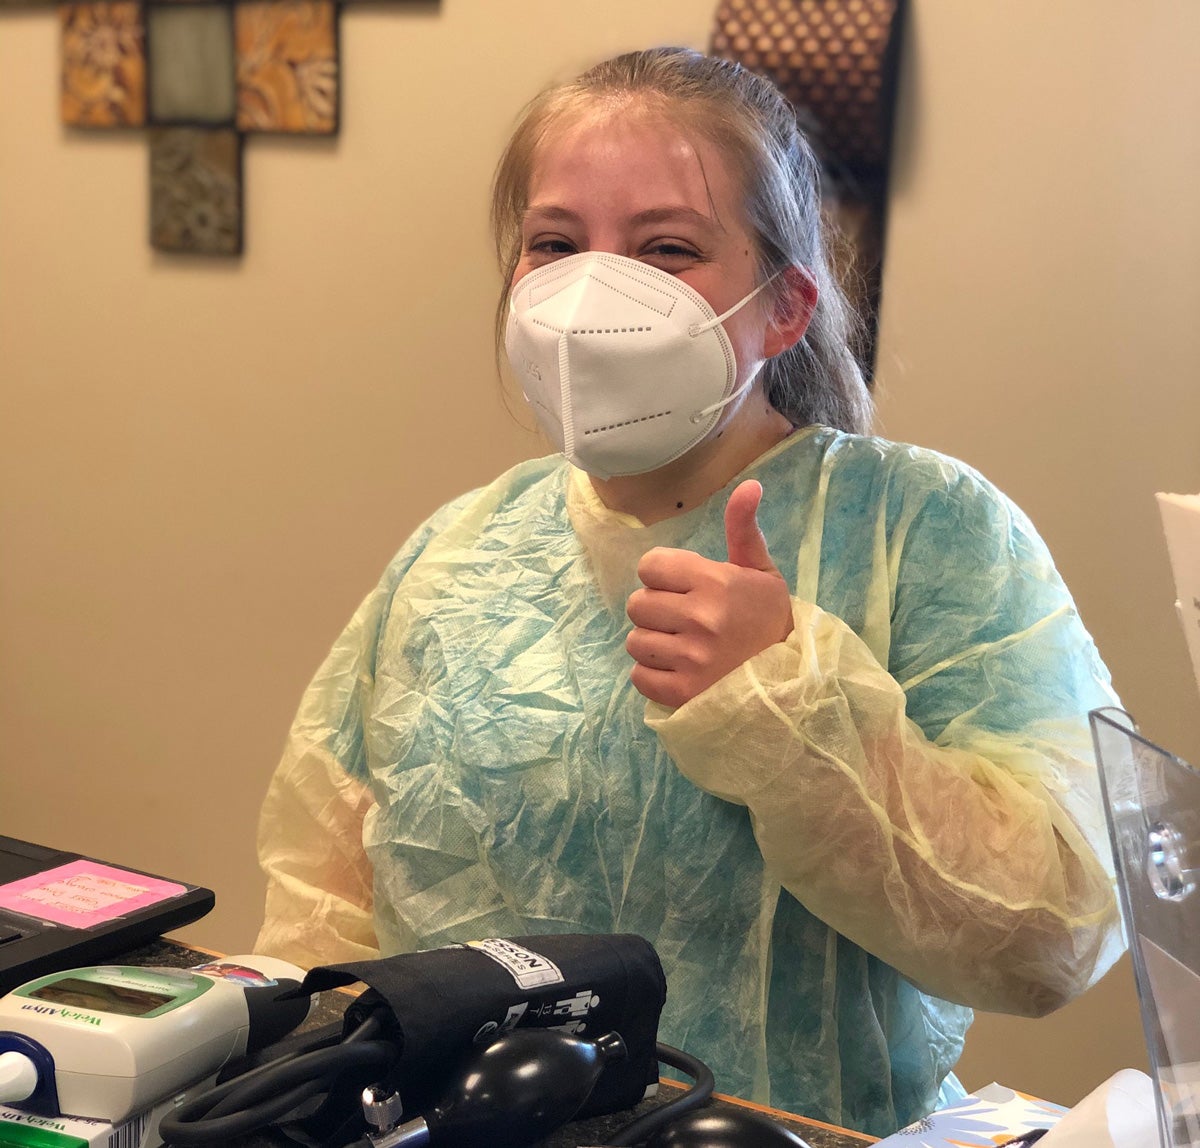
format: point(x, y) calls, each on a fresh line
point(319, 902)
point(974, 868)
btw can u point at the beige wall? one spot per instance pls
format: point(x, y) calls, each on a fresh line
point(204, 465)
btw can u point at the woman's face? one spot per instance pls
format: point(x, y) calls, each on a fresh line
point(633, 184)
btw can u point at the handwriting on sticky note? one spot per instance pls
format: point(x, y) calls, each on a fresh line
point(84, 894)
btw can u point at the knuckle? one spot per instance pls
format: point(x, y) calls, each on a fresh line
point(703, 658)
point(709, 619)
point(726, 575)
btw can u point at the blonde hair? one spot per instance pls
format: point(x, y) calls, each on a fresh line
point(819, 379)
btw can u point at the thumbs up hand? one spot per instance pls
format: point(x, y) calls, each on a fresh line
point(695, 620)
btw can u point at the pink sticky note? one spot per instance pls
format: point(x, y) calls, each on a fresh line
point(84, 894)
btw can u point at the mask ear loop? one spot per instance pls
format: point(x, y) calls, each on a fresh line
point(701, 415)
point(698, 329)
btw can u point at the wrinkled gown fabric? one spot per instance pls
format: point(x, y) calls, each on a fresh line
point(837, 850)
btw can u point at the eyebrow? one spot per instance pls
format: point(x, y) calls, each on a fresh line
point(670, 214)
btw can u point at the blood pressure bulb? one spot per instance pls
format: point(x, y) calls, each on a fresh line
point(511, 1093)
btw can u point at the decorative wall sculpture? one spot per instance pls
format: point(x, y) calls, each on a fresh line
point(201, 75)
point(837, 61)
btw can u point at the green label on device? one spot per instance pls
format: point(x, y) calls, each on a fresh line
point(25, 1136)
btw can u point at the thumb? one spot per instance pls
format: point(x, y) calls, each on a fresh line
point(743, 538)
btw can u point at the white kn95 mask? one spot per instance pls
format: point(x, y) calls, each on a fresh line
point(626, 367)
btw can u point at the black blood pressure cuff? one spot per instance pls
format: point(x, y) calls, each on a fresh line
point(439, 1004)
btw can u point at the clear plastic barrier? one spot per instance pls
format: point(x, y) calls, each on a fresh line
point(1152, 800)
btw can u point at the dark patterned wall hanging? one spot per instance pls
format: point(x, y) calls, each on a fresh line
point(200, 75)
point(837, 61)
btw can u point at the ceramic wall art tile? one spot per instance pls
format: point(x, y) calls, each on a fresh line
point(287, 66)
point(191, 63)
point(203, 75)
point(103, 64)
point(196, 190)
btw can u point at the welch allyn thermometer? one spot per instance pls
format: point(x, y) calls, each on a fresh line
point(110, 1041)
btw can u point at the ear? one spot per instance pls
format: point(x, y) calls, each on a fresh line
point(793, 311)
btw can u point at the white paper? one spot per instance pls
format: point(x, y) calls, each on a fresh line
point(1181, 522)
point(1118, 1114)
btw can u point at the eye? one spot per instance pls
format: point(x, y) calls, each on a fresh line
point(670, 255)
point(546, 248)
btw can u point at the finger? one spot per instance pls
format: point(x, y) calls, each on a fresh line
point(665, 569)
point(652, 649)
point(663, 610)
point(743, 538)
point(660, 686)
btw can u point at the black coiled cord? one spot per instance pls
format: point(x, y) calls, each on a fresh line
point(266, 1094)
point(302, 1079)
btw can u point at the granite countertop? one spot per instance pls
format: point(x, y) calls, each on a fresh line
point(330, 1006)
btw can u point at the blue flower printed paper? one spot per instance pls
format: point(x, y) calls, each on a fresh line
point(991, 1116)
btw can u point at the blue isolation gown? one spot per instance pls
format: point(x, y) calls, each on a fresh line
point(838, 850)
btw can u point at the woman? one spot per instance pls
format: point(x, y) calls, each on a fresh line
point(806, 709)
